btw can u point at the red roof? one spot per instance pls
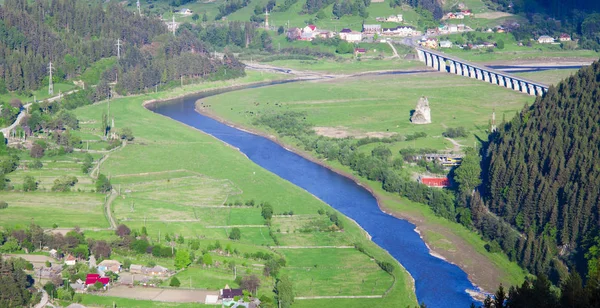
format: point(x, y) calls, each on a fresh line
point(312, 27)
point(70, 258)
point(363, 50)
point(436, 182)
point(93, 278)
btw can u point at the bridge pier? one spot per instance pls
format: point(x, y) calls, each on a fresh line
point(486, 76)
point(436, 64)
point(471, 72)
point(458, 69)
point(494, 78)
point(442, 64)
point(523, 86)
point(421, 55)
point(452, 66)
point(531, 89)
point(428, 60)
point(539, 90)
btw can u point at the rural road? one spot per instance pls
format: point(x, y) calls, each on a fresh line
point(44, 300)
point(23, 112)
point(111, 198)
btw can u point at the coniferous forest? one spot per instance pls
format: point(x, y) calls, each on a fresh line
point(541, 179)
point(75, 34)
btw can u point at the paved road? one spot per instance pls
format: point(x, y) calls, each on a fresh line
point(44, 300)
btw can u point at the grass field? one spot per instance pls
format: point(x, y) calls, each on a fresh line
point(67, 210)
point(335, 272)
point(548, 77)
point(52, 170)
point(381, 104)
point(90, 300)
point(166, 150)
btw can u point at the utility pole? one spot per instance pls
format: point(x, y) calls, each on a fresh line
point(267, 19)
point(173, 24)
point(139, 8)
point(50, 84)
point(119, 45)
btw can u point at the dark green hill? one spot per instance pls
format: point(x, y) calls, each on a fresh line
point(542, 175)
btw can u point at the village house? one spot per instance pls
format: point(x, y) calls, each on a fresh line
point(93, 278)
point(78, 286)
point(466, 12)
point(371, 29)
point(157, 270)
point(564, 37)
point(395, 18)
point(434, 182)
point(228, 294)
point(186, 12)
point(325, 34)
point(49, 272)
point(293, 34)
point(445, 44)
point(432, 31)
point(70, 260)
point(306, 36)
point(430, 43)
point(544, 39)
point(110, 265)
point(350, 36)
point(309, 29)
point(400, 31)
point(53, 253)
point(359, 51)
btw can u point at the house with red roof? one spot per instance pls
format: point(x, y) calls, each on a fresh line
point(309, 29)
point(435, 182)
point(70, 260)
point(91, 279)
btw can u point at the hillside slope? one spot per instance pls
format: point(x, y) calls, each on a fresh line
point(542, 173)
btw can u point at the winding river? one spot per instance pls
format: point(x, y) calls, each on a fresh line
point(438, 283)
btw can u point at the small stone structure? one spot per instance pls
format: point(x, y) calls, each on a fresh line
point(422, 114)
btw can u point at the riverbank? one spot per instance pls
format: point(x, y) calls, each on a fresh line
point(483, 271)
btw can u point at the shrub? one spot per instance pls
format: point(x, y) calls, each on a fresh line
point(3, 205)
point(174, 282)
point(235, 234)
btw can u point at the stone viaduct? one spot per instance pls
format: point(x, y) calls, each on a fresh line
point(454, 65)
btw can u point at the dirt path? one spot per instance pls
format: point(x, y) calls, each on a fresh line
point(394, 49)
point(457, 145)
point(340, 296)
point(113, 195)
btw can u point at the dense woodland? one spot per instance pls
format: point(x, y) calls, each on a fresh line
point(15, 284)
point(541, 173)
point(75, 34)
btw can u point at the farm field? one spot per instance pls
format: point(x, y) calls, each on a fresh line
point(335, 272)
point(348, 66)
point(174, 172)
point(52, 170)
point(67, 210)
point(379, 105)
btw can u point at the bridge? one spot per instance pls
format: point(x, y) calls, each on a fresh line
point(446, 63)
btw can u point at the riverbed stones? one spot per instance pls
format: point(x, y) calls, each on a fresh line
point(422, 114)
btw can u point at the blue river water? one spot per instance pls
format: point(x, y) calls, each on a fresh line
point(438, 284)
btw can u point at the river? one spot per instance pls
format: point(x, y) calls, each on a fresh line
point(437, 282)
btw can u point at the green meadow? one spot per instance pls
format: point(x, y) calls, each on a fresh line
point(172, 180)
point(380, 104)
point(66, 209)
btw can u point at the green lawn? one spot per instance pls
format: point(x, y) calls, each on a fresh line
point(67, 210)
point(381, 104)
point(335, 272)
point(90, 300)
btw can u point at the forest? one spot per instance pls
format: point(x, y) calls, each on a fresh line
point(540, 177)
point(33, 34)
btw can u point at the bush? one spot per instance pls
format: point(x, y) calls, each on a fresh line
point(36, 164)
point(235, 234)
point(174, 282)
point(386, 266)
point(3, 205)
point(36, 151)
point(455, 132)
point(64, 183)
point(103, 184)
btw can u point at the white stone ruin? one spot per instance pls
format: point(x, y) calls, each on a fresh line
point(422, 114)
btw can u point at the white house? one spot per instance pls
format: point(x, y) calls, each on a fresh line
point(544, 39)
point(446, 44)
point(350, 36)
point(70, 260)
point(400, 31)
point(564, 37)
point(186, 12)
